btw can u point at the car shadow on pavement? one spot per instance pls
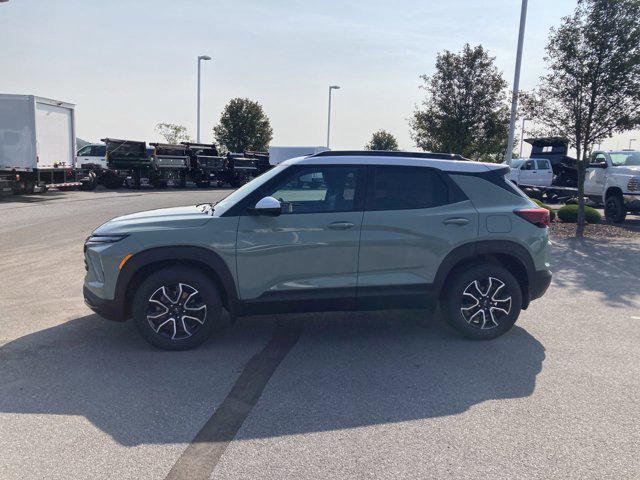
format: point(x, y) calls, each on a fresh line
point(610, 268)
point(346, 371)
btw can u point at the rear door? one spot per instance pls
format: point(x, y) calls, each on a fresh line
point(545, 172)
point(54, 135)
point(414, 216)
point(528, 173)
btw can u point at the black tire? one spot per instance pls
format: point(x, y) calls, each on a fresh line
point(614, 210)
point(160, 328)
point(89, 185)
point(490, 286)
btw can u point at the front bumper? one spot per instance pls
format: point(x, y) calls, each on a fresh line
point(539, 283)
point(109, 309)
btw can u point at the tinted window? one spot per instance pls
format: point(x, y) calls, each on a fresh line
point(98, 151)
point(529, 165)
point(401, 188)
point(543, 164)
point(318, 189)
point(84, 151)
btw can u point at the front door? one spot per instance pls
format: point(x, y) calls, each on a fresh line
point(595, 176)
point(310, 250)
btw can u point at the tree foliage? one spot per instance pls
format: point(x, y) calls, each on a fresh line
point(592, 89)
point(466, 107)
point(243, 126)
point(382, 140)
point(172, 133)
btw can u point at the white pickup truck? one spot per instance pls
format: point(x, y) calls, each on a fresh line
point(535, 172)
point(613, 179)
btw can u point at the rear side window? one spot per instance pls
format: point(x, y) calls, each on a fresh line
point(402, 188)
point(543, 165)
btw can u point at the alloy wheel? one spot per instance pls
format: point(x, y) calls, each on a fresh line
point(176, 311)
point(485, 303)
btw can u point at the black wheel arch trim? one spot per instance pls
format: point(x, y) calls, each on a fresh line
point(470, 251)
point(176, 253)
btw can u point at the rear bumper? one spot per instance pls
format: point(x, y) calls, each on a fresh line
point(109, 309)
point(539, 283)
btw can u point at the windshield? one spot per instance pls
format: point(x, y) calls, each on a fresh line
point(625, 159)
point(517, 163)
point(230, 200)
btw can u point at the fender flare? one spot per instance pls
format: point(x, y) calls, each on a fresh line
point(470, 251)
point(177, 253)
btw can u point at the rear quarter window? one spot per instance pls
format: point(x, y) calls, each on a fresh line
point(403, 188)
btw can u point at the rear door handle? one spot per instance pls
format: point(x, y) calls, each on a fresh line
point(456, 221)
point(340, 225)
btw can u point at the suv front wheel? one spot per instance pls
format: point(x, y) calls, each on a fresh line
point(176, 308)
point(483, 301)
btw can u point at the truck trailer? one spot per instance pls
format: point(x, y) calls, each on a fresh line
point(37, 144)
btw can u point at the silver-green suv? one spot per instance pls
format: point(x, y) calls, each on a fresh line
point(333, 231)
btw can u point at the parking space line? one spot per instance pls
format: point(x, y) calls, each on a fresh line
point(204, 452)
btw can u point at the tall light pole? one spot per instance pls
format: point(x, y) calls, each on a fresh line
point(332, 87)
point(521, 137)
point(516, 82)
point(200, 58)
point(631, 140)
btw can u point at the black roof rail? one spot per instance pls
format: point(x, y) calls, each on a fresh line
point(385, 153)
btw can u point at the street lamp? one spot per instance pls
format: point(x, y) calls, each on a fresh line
point(200, 58)
point(631, 140)
point(332, 87)
point(521, 137)
point(516, 83)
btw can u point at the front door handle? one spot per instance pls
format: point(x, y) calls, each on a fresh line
point(456, 221)
point(340, 225)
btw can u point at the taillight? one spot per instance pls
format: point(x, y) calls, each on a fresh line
point(538, 216)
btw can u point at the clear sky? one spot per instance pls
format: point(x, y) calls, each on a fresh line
point(128, 65)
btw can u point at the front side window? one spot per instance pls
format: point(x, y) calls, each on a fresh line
point(318, 189)
point(403, 188)
point(98, 151)
point(84, 151)
point(529, 165)
point(598, 159)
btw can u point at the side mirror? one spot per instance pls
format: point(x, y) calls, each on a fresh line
point(268, 206)
point(599, 165)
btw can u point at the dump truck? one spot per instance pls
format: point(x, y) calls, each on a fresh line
point(206, 165)
point(171, 165)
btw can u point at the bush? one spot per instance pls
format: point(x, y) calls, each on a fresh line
point(552, 212)
point(569, 214)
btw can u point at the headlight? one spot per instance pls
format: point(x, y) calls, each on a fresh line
point(633, 185)
point(102, 239)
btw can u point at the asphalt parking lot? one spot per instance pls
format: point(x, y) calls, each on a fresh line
point(370, 395)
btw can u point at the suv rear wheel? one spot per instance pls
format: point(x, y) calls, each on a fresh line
point(483, 301)
point(176, 308)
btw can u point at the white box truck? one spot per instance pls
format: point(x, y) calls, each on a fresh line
point(280, 154)
point(37, 144)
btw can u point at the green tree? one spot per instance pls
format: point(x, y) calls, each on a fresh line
point(592, 89)
point(172, 133)
point(382, 140)
point(466, 107)
point(243, 126)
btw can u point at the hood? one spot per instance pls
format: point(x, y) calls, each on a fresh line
point(628, 169)
point(175, 217)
